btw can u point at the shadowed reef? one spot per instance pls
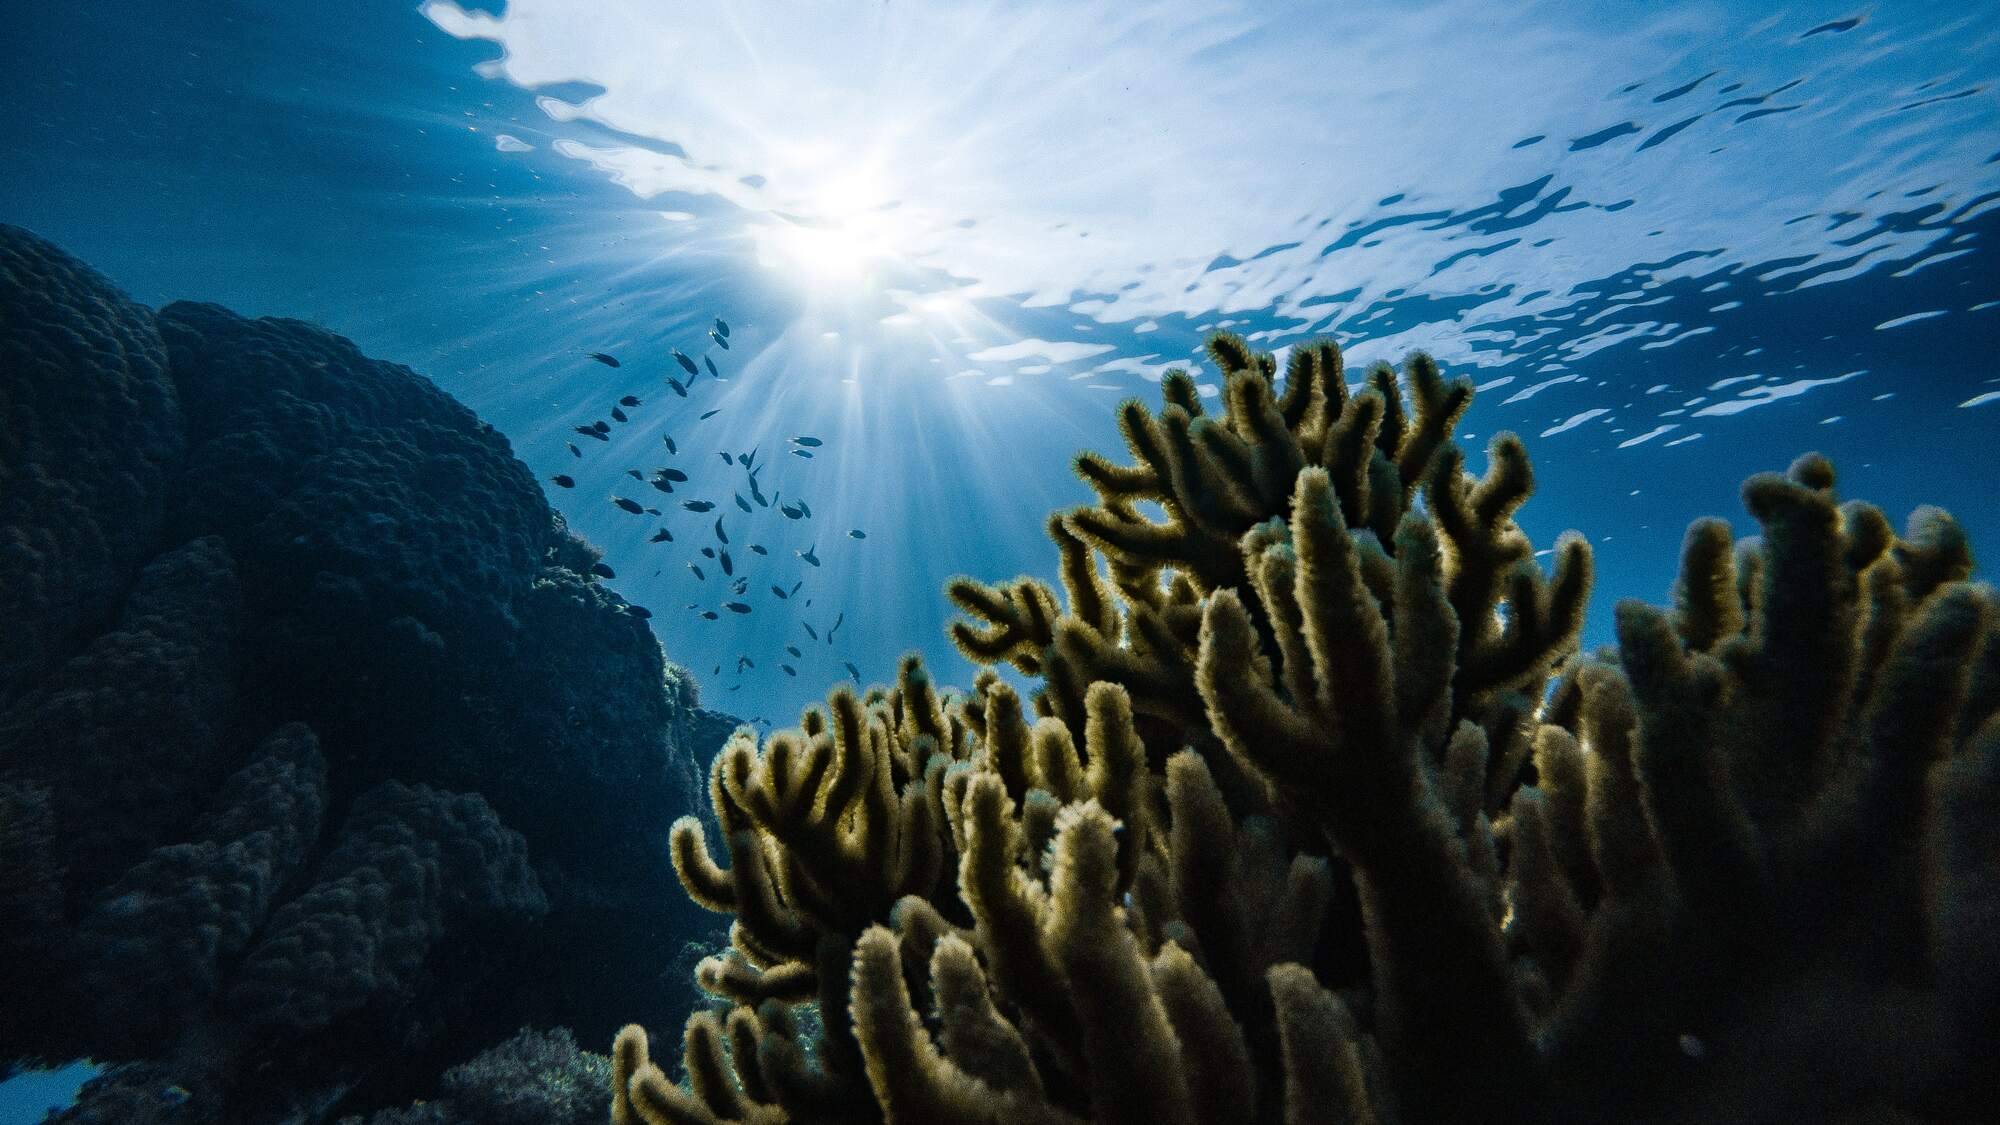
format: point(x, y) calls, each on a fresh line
point(1315, 813)
point(301, 685)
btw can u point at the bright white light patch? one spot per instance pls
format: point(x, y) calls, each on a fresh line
point(1052, 351)
point(1770, 393)
point(1575, 420)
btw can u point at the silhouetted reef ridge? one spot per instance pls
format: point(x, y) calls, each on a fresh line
point(322, 750)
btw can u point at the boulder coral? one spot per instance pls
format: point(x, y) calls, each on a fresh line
point(90, 436)
point(301, 682)
point(1317, 814)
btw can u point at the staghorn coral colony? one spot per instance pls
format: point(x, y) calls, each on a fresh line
point(1316, 813)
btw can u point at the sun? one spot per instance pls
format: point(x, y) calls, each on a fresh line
point(823, 255)
point(850, 224)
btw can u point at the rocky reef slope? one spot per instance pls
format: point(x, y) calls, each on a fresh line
point(302, 688)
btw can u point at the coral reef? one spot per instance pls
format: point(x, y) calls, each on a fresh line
point(301, 686)
point(90, 435)
point(156, 942)
point(1316, 813)
point(407, 857)
point(535, 1078)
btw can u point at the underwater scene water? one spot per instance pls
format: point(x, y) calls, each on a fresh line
point(1672, 245)
point(798, 312)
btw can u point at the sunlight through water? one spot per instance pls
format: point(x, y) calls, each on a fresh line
point(797, 311)
point(978, 225)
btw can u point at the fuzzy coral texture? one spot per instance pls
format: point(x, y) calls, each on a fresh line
point(300, 683)
point(535, 1078)
point(89, 436)
point(1316, 814)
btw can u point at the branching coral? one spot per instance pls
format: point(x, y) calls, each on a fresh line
point(1317, 816)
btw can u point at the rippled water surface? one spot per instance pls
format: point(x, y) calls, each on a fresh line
point(1673, 244)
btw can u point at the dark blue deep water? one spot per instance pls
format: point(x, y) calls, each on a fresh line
point(1673, 244)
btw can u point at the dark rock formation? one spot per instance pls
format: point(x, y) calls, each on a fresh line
point(325, 760)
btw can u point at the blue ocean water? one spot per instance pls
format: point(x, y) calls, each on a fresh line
point(1672, 244)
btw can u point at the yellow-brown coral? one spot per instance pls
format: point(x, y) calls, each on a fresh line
point(1317, 816)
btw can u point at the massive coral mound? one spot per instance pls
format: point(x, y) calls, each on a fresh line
point(89, 436)
point(408, 859)
point(392, 548)
point(126, 734)
point(340, 470)
point(1317, 814)
point(306, 684)
point(154, 948)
